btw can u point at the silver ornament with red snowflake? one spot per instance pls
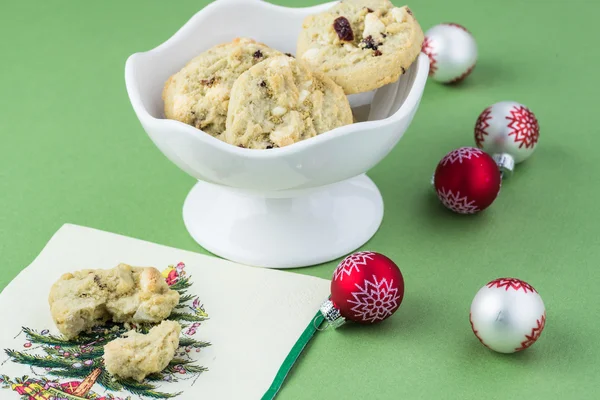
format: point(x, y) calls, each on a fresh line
point(452, 52)
point(507, 315)
point(509, 131)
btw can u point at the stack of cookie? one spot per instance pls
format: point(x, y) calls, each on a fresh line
point(252, 96)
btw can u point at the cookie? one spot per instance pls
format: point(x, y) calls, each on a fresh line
point(84, 299)
point(280, 101)
point(198, 94)
point(362, 45)
point(135, 355)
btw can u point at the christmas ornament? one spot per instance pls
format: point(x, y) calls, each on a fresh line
point(367, 288)
point(452, 52)
point(509, 131)
point(507, 315)
point(467, 180)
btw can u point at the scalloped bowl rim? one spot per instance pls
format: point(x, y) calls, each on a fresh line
point(411, 100)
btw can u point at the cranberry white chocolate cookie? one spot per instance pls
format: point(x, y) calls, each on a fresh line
point(136, 355)
point(361, 44)
point(198, 94)
point(280, 101)
point(84, 299)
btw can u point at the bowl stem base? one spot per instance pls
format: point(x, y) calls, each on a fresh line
point(309, 229)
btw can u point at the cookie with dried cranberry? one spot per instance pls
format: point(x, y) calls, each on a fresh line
point(281, 101)
point(361, 45)
point(198, 94)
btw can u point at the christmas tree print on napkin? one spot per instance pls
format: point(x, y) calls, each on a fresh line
point(69, 370)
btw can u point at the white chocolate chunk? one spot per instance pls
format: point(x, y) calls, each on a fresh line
point(303, 95)
point(399, 14)
point(373, 27)
point(279, 62)
point(289, 133)
point(311, 55)
point(278, 111)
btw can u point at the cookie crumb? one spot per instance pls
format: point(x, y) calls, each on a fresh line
point(342, 27)
point(258, 54)
point(275, 119)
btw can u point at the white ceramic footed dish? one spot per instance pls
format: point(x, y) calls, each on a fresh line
point(295, 206)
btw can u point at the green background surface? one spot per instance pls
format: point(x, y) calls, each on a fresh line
point(72, 150)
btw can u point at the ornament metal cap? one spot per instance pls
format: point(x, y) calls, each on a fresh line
point(332, 314)
point(506, 163)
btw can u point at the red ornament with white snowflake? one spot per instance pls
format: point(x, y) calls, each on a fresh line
point(452, 52)
point(509, 131)
point(467, 180)
point(367, 288)
point(507, 315)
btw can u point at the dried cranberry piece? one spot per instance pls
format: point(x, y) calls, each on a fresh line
point(343, 29)
point(377, 53)
point(263, 84)
point(409, 11)
point(290, 55)
point(258, 54)
point(369, 10)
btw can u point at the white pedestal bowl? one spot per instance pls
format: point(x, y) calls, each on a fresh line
point(296, 206)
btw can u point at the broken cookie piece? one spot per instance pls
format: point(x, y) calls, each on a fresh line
point(136, 355)
point(84, 299)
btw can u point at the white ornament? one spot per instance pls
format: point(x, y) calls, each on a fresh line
point(509, 132)
point(452, 52)
point(507, 315)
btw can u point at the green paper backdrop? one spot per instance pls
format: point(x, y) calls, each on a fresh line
point(72, 150)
